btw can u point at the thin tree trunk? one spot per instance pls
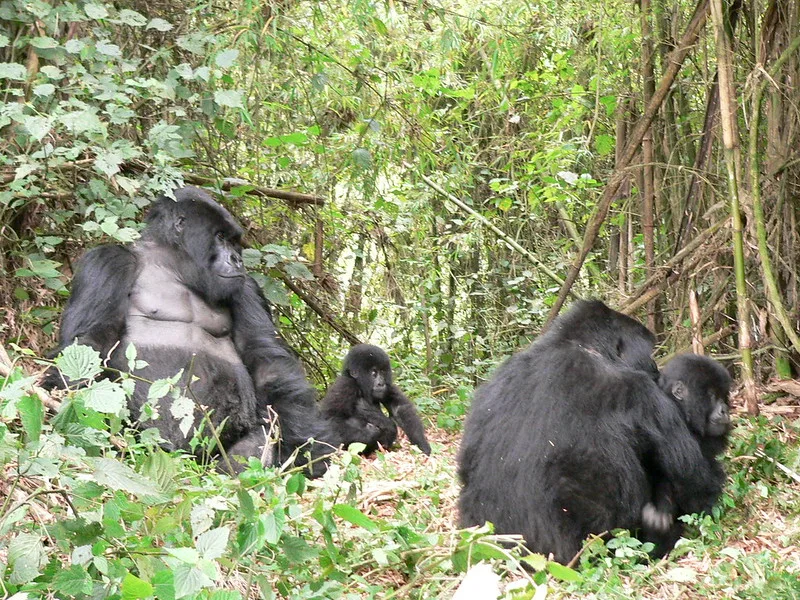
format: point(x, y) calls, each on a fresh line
point(675, 61)
point(730, 142)
point(648, 176)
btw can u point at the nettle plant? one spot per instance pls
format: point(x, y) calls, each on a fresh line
point(99, 108)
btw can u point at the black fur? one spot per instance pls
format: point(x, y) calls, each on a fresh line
point(353, 403)
point(700, 386)
point(182, 297)
point(559, 442)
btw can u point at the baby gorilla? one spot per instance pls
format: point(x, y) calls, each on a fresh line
point(353, 403)
point(700, 387)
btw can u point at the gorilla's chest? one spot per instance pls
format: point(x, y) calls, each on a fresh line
point(164, 312)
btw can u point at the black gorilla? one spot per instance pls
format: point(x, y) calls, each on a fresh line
point(559, 442)
point(700, 386)
point(181, 296)
point(353, 403)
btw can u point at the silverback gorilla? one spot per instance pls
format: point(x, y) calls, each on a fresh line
point(700, 387)
point(559, 442)
point(353, 403)
point(181, 296)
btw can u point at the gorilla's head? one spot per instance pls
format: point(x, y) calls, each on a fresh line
point(206, 238)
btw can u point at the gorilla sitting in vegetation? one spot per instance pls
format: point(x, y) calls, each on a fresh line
point(181, 296)
point(560, 443)
point(700, 386)
point(353, 403)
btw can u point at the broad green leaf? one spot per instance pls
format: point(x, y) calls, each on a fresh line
point(26, 557)
point(74, 581)
point(362, 158)
point(563, 573)
point(13, 71)
point(44, 89)
point(117, 476)
point(229, 98)
point(109, 49)
point(106, 396)
point(132, 18)
point(95, 11)
point(160, 25)
point(4, 41)
point(211, 544)
point(79, 362)
point(226, 58)
point(189, 580)
point(134, 588)
point(31, 413)
point(43, 42)
point(190, 556)
point(297, 549)
point(356, 517)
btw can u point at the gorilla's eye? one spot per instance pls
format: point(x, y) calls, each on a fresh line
point(220, 236)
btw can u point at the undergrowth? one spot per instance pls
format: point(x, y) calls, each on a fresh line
point(88, 510)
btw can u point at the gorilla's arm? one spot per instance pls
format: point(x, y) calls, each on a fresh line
point(356, 419)
point(98, 306)
point(277, 376)
point(677, 455)
point(405, 415)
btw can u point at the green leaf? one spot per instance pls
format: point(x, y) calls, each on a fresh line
point(95, 11)
point(297, 549)
point(132, 18)
point(272, 529)
point(604, 144)
point(31, 413)
point(564, 573)
point(79, 362)
point(356, 517)
point(44, 89)
point(211, 544)
point(117, 476)
point(26, 556)
point(362, 158)
point(226, 58)
point(13, 71)
point(134, 588)
point(229, 98)
point(43, 42)
point(190, 556)
point(73, 581)
point(106, 396)
point(160, 25)
point(189, 580)
point(108, 49)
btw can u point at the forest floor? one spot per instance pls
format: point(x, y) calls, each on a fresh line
point(751, 550)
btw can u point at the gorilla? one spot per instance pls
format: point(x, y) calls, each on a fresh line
point(182, 297)
point(560, 442)
point(353, 403)
point(700, 387)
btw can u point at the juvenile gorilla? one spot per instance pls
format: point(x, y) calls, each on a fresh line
point(700, 386)
point(353, 403)
point(559, 441)
point(181, 296)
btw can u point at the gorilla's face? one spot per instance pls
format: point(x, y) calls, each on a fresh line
point(212, 241)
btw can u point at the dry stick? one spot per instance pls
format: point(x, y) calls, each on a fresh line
point(675, 61)
point(315, 306)
point(498, 232)
point(227, 184)
point(705, 237)
point(730, 148)
point(706, 341)
point(758, 211)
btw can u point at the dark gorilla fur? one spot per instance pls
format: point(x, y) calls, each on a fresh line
point(353, 403)
point(182, 297)
point(700, 386)
point(559, 441)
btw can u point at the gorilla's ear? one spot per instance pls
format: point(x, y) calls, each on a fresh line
point(679, 390)
point(178, 224)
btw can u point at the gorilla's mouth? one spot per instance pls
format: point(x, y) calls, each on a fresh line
point(237, 276)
